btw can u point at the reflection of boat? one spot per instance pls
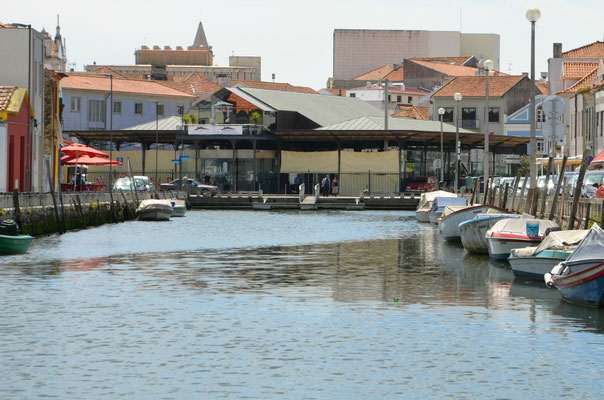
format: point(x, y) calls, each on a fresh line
point(509, 234)
point(534, 262)
point(154, 210)
point(575, 315)
point(14, 244)
point(449, 221)
point(473, 232)
point(439, 204)
point(580, 278)
point(422, 214)
point(533, 290)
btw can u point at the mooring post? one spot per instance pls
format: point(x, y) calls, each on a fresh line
point(513, 202)
point(587, 215)
point(549, 171)
point(17, 208)
point(561, 216)
point(505, 196)
point(578, 188)
point(557, 192)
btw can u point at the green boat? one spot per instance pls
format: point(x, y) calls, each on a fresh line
point(14, 244)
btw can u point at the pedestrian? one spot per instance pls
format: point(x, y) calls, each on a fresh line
point(325, 185)
point(335, 186)
point(297, 183)
point(207, 179)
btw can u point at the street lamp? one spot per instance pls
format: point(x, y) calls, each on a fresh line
point(457, 96)
point(110, 131)
point(533, 15)
point(488, 66)
point(441, 112)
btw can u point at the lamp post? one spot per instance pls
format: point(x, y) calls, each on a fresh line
point(457, 96)
point(110, 130)
point(488, 66)
point(533, 15)
point(156, 139)
point(441, 112)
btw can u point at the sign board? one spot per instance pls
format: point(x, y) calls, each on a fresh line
point(184, 157)
point(175, 161)
point(511, 158)
point(553, 130)
point(119, 159)
point(215, 130)
point(553, 106)
point(436, 163)
point(476, 155)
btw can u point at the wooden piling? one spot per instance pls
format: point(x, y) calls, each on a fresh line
point(549, 171)
point(54, 200)
point(486, 191)
point(513, 202)
point(557, 192)
point(17, 208)
point(535, 202)
point(561, 216)
point(587, 216)
point(577, 193)
point(504, 202)
point(523, 191)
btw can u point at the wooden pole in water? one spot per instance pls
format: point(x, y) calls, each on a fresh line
point(505, 196)
point(17, 208)
point(587, 216)
point(486, 191)
point(476, 186)
point(577, 194)
point(535, 201)
point(54, 200)
point(561, 216)
point(473, 194)
point(516, 183)
point(557, 192)
point(523, 194)
point(549, 171)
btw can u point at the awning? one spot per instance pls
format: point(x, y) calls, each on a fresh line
point(87, 160)
point(575, 160)
point(599, 159)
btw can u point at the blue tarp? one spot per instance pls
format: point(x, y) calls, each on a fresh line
point(440, 203)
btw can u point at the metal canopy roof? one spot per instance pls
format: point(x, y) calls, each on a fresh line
point(173, 123)
point(374, 123)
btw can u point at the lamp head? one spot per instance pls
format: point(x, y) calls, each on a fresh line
point(457, 96)
point(533, 14)
point(441, 111)
point(488, 65)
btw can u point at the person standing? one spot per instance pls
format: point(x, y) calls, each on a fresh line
point(325, 185)
point(335, 186)
point(207, 179)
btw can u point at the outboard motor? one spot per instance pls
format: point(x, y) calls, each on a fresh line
point(9, 227)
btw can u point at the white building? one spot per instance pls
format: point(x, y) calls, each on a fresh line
point(398, 94)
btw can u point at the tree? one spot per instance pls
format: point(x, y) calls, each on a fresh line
point(256, 117)
point(525, 165)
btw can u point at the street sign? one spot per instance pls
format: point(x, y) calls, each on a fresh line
point(553, 130)
point(511, 158)
point(175, 161)
point(184, 157)
point(553, 106)
point(436, 163)
point(119, 159)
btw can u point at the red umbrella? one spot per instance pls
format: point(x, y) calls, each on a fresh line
point(79, 149)
point(87, 160)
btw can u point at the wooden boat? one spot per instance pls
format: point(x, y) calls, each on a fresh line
point(422, 214)
point(451, 218)
point(511, 233)
point(535, 262)
point(473, 232)
point(439, 204)
point(154, 210)
point(580, 279)
point(14, 244)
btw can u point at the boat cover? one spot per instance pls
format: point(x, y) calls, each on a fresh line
point(439, 203)
point(521, 226)
point(557, 240)
point(152, 203)
point(591, 248)
point(490, 214)
point(451, 209)
point(430, 196)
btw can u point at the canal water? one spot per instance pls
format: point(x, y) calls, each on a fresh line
point(286, 305)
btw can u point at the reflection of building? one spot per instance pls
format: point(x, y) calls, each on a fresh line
point(356, 51)
point(164, 63)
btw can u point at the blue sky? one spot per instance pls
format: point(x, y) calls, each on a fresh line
point(295, 38)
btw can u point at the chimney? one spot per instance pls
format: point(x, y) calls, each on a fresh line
point(143, 47)
point(156, 47)
point(167, 48)
point(557, 50)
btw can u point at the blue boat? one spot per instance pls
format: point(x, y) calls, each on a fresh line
point(439, 204)
point(580, 279)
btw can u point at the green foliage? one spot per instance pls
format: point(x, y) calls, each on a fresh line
point(256, 117)
point(525, 165)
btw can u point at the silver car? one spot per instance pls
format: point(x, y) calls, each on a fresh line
point(191, 185)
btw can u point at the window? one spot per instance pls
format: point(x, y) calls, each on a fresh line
point(353, 95)
point(75, 104)
point(468, 114)
point(138, 108)
point(409, 99)
point(389, 98)
point(117, 107)
point(448, 115)
point(180, 110)
point(493, 114)
point(399, 99)
point(540, 147)
point(160, 109)
point(540, 114)
point(96, 111)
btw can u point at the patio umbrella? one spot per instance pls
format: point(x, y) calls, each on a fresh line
point(79, 149)
point(599, 159)
point(87, 160)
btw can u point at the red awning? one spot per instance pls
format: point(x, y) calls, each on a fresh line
point(599, 159)
point(87, 160)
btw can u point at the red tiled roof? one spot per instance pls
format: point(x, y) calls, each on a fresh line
point(336, 92)
point(393, 89)
point(587, 81)
point(543, 88)
point(396, 75)
point(409, 111)
point(592, 50)
point(81, 81)
point(381, 73)
point(193, 83)
point(107, 71)
point(454, 70)
point(444, 60)
point(6, 92)
point(577, 70)
point(283, 87)
point(474, 86)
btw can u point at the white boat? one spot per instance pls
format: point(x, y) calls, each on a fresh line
point(535, 262)
point(580, 279)
point(509, 234)
point(422, 214)
point(179, 207)
point(448, 224)
point(439, 204)
point(472, 232)
point(154, 210)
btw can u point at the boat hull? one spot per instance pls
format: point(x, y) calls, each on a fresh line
point(14, 244)
point(537, 266)
point(500, 248)
point(434, 218)
point(583, 287)
point(473, 234)
point(449, 225)
point(423, 215)
point(179, 211)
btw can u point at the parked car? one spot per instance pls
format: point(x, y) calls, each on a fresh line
point(421, 184)
point(591, 182)
point(138, 183)
point(191, 185)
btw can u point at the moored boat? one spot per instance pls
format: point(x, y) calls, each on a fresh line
point(422, 214)
point(154, 210)
point(580, 279)
point(473, 232)
point(514, 233)
point(535, 262)
point(14, 244)
point(450, 219)
point(179, 207)
point(439, 204)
